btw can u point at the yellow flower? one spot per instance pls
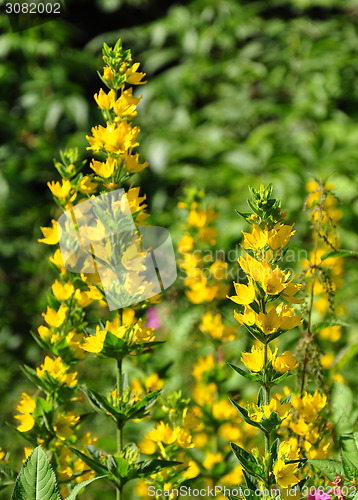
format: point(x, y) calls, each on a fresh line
point(279, 236)
point(62, 292)
point(102, 169)
point(115, 138)
point(285, 362)
point(275, 406)
point(284, 474)
point(52, 235)
point(290, 291)
point(54, 318)
point(44, 332)
point(248, 318)
point(185, 244)
point(105, 101)
point(288, 319)
point(300, 428)
point(133, 77)
point(58, 261)
point(94, 343)
point(254, 268)
point(274, 281)
point(87, 185)
point(257, 239)
point(26, 406)
point(255, 360)
point(162, 433)
point(223, 410)
point(2, 456)
point(191, 471)
point(153, 383)
point(212, 324)
point(131, 163)
point(126, 104)
point(270, 322)
point(58, 190)
point(63, 425)
point(332, 333)
point(204, 364)
point(148, 447)
point(245, 294)
point(108, 73)
point(184, 438)
point(310, 405)
point(197, 218)
point(212, 459)
point(57, 369)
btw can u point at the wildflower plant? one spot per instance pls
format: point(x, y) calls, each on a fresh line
point(52, 417)
point(266, 310)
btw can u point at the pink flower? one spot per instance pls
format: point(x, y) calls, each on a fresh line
point(153, 319)
point(318, 495)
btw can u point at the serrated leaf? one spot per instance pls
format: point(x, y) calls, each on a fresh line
point(76, 490)
point(349, 444)
point(251, 481)
point(141, 408)
point(36, 480)
point(101, 404)
point(330, 468)
point(326, 323)
point(118, 466)
point(350, 470)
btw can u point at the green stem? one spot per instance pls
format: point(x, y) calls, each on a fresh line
point(119, 426)
point(267, 434)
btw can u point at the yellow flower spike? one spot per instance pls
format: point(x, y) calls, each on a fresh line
point(102, 169)
point(52, 235)
point(125, 105)
point(285, 362)
point(245, 294)
point(285, 474)
point(63, 292)
point(105, 101)
point(58, 190)
point(54, 318)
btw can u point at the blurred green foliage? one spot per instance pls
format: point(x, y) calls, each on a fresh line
point(239, 92)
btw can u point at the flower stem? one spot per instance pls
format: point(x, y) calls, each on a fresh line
point(267, 434)
point(119, 425)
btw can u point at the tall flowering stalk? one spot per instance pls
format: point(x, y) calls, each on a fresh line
point(266, 312)
point(54, 418)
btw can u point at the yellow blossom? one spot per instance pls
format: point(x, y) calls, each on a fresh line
point(212, 459)
point(255, 360)
point(153, 383)
point(52, 235)
point(105, 101)
point(63, 425)
point(284, 362)
point(55, 318)
point(115, 138)
point(245, 294)
point(131, 163)
point(61, 191)
point(94, 343)
point(57, 370)
point(133, 77)
point(247, 318)
point(203, 365)
point(104, 169)
point(62, 292)
point(185, 244)
point(257, 239)
point(279, 236)
point(162, 433)
point(108, 73)
point(87, 185)
point(285, 474)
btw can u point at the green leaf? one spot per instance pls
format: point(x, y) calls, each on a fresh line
point(330, 468)
point(349, 444)
point(93, 464)
point(141, 408)
point(245, 415)
point(342, 405)
point(350, 470)
point(271, 423)
point(339, 253)
point(247, 461)
point(243, 373)
point(251, 481)
point(102, 405)
point(118, 466)
point(36, 480)
point(149, 467)
point(261, 397)
point(326, 323)
point(274, 448)
point(287, 399)
point(77, 489)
